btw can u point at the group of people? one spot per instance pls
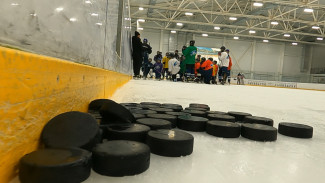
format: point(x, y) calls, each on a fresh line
point(176, 67)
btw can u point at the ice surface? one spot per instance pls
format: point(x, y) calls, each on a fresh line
point(218, 160)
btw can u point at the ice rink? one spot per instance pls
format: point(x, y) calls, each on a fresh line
point(288, 160)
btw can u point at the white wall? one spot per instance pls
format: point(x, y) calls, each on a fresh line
point(293, 58)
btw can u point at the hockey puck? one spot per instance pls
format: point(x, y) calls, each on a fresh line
point(55, 165)
point(121, 158)
point(196, 113)
point(155, 124)
point(217, 112)
point(200, 106)
point(239, 115)
point(130, 104)
point(259, 132)
point(139, 116)
point(220, 117)
point(296, 130)
point(170, 143)
point(146, 107)
point(132, 132)
point(131, 108)
point(192, 123)
point(258, 120)
point(161, 110)
point(196, 109)
point(223, 129)
point(97, 104)
point(177, 113)
point(144, 112)
point(113, 112)
point(172, 119)
point(175, 107)
point(71, 129)
point(150, 103)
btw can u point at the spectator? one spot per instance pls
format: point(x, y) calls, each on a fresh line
point(136, 54)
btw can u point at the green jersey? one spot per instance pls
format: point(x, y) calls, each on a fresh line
point(190, 53)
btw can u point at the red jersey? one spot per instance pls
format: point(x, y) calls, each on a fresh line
point(230, 64)
point(197, 66)
point(207, 65)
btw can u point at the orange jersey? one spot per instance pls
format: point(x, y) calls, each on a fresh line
point(215, 70)
point(197, 66)
point(207, 65)
point(230, 64)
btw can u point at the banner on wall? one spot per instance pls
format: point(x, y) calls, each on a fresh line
point(208, 52)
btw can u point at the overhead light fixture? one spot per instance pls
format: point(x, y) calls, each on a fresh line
point(127, 18)
point(99, 24)
point(217, 28)
point(252, 32)
point(294, 44)
point(73, 19)
point(257, 4)
point(236, 37)
point(315, 27)
point(232, 18)
point(140, 28)
point(265, 41)
point(88, 2)
point(14, 4)
point(33, 14)
point(141, 20)
point(141, 9)
point(179, 24)
point(274, 23)
point(286, 35)
point(189, 14)
point(205, 35)
point(320, 39)
point(174, 32)
point(308, 10)
point(59, 9)
point(94, 14)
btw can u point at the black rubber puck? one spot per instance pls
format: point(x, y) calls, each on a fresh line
point(177, 113)
point(196, 109)
point(145, 112)
point(239, 115)
point(139, 116)
point(151, 103)
point(55, 165)
point(130, 104)
point(155, 124)
point(258, 120)
point(200, 106)
point(121, 158)
point(132, 132)
point(220, 117)
point(223, 129)
point(296, 130)
point(71, 129)
point(192, 123)
point(217, 112)
point(171, 118)
point(170, 143)
point(97, 104)
point(131, 108)
point(196, 113)
point(113, 112)
point(259, 132)
point(161, 110)
point(146, 107)
point(175, 107)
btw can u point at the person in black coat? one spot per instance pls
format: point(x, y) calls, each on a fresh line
point(136, 53)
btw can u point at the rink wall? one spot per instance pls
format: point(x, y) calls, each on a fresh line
point(34, 89)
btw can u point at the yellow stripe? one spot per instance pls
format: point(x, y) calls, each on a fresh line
point(35, 88)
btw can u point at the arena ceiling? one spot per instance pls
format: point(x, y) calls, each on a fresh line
point(299, 21)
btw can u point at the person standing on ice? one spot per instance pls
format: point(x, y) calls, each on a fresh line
point(146, 50)
point(224, 64)
point(173, 66)
point(136, 54)
point(229, 67)
point(190, 54)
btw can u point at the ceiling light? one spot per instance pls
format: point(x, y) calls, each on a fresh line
point(141, 20)
point(257, 4)
point(140, 28)
point(59, 9)
point(179, 24)
point(274, 23)
point(265, 41)
point(286, 35)
point(320, 39)
point(308, 10)
point(14, 4)
point(99, 23)
point(315, 27)
point(252, 32)
point(174, 32)
point(73, 19)
point(294, 44)
point(33, 14)
point(140, 8)
point(88, 2)
point(127, 18)
point(189, 14)
point(236, 37)
point(232, 18)
point(205, 35)
point(94, 14)
point(217, 28)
